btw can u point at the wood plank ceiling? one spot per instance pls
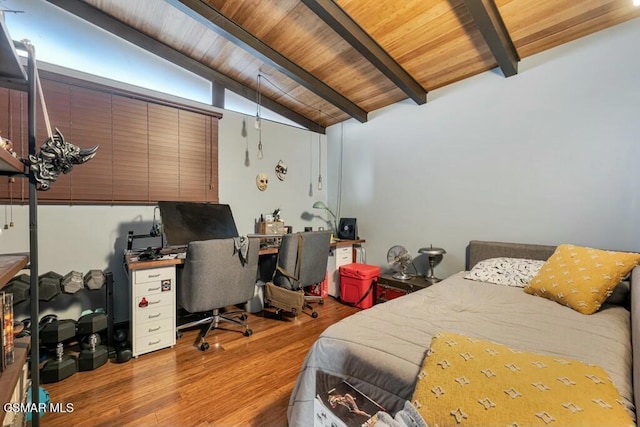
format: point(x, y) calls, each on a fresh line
point(320, 62)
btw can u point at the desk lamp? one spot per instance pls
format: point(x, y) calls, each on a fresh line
point(435, 256)
point(321, 205)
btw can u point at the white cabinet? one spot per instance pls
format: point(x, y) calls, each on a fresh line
point(153, 309)
point(337, 257)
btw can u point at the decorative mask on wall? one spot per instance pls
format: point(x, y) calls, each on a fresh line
point(262, 181)
point(57, 156)
point(281, 170)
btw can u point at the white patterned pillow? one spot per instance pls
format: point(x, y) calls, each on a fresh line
point(505, 271)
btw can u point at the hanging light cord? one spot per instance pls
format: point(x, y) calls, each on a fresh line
point(310, 164)
point(319, 155)
point(258, 118)
point(340, 170)
point(258, 101)
point(287, 94)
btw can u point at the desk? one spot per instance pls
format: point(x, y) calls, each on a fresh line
point(153, 296)
point(133, 264)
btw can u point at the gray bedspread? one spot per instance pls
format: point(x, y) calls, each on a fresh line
point(380, 350)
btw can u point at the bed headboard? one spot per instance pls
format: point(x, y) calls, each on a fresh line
point(479, 250)
point(635, 335)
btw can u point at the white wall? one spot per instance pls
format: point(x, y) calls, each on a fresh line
point(547, 156)
point(297, 148)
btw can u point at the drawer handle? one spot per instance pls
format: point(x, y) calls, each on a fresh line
point(150, 276)
point(154, 329)
point(153, 289)
point(154, 302)
point(154, 342)
point(153, 316)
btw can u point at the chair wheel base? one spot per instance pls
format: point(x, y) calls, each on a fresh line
point(248, 333)
point(204, 346)
point(314, 314)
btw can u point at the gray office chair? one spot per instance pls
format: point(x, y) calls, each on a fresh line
point(302, 262)
point(215, 276)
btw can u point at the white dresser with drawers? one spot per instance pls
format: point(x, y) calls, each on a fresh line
point(153, 309)
point(338, 257)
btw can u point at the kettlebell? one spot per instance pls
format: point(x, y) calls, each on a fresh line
point(123, 355)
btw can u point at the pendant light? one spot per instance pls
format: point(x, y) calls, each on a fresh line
point(258, 121)
point(247, 161)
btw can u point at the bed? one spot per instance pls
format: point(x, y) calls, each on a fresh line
point(380, 351)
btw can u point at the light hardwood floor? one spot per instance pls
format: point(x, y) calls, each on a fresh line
point(239, 381)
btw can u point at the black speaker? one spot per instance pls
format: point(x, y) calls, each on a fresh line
point(347, 229)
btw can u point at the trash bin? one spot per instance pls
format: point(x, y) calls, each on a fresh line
point(357, 284)
point(256, 304)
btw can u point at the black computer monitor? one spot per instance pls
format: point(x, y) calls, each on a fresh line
point(184, 222)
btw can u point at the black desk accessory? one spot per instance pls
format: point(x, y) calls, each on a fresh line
point(348, 229)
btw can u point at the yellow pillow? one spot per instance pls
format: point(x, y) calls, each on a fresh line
point(474, 382)
point(581, 278)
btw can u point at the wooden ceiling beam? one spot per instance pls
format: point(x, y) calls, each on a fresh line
point(108, 23)
point(334, 16)
point(487, 18)
point(215, 21)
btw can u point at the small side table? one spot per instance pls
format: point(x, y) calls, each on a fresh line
point(389, 287)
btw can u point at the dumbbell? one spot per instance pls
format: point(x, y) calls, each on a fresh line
point(72, 282)
point(20, 287)
point(94, 279)
point(92, 354)
point(49, 285)
point(44, 321)
point(90, 340)
point(120, 335)
point(64, 365)
point(91, 323)
point(123, 350)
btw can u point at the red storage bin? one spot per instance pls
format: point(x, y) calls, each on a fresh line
point(357, 284)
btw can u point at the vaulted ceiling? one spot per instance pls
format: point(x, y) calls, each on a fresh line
point(320, 62)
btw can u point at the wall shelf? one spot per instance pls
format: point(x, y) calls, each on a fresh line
point(10, 265)
point(8, 163)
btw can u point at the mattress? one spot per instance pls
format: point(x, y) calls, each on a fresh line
point(380, 350)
